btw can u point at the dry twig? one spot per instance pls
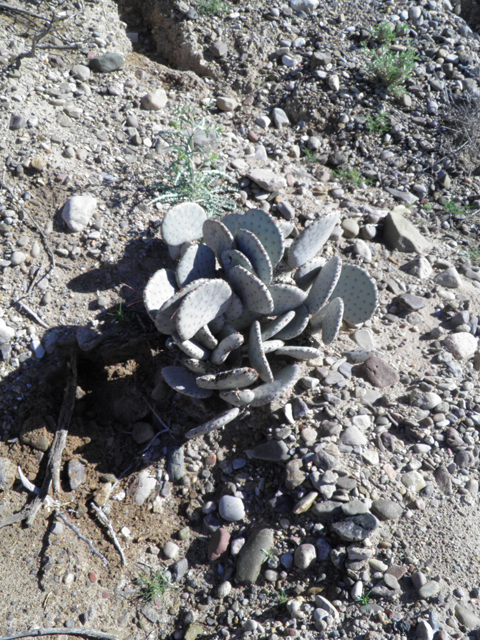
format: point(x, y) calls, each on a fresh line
point(103, 518)
point(81, 536)
point(32, 313)
point(55, 631)
point(29, 511)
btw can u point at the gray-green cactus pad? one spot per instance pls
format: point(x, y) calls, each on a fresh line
point(286, 297)
point(226, 346)
point(217, 324)
point(235, 308)
point(191, 348)
point(332, 320)
point(263, 225)
point(237, 397)
point(252, 292)
point(285, 227)
point(184, 382)
point(165, 318)
point(296, 326)
point(205, 337)
point(232, 221)
point(306, 274)
point(200, 367)
point(311, 240)
point(231, 379)
point(248, 243)
point(299, 353)
point(198, 261)
point(217, 237)
point(245, 320)
point(256, 353)
point(202, 305)
point(232, 257)
point(183, 222)
point(161, 286)
point(269, 346)
point(273, 327)
point(282, 385)
point(213, 425)
point(324, 284)
point(358, 292)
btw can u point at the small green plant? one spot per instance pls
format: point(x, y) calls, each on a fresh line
point(453, 208)
point(212, 7)
point(119, 316)
point(152, 585)
point(350, 173)
point(474, 255)
point(392, 68)
point(386, 33)
point(427, 207)
point(364, 600)
point(193, 175)
point(269, 554)
point(282, 598)
point(310, 155)
point(378, 122)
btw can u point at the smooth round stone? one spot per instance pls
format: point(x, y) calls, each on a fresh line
point(218, 544)
point(424, 631)
point(146, 484)
point(17, 258)
point(176, 464)
point(467, 617)
point(76, 474)
point(353, 436)
point(224, 589)
point(429, 589)
point(231, 508)
point(350, 228)
point(142, 432)
point(6, 332)
point(252, 555)
point(305, 503)
point(171, 550)
point(461, 345)
point(364, 339)
point(304, 555)
point(271, 575)
point(155, 100)
point(413, 480)
point(107, 62)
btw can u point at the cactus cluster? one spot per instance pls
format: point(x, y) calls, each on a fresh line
point(236, 294)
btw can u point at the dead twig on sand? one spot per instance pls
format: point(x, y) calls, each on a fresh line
point(55, 631)
point(17, 61)
point(32, 313)
point(52, 476)
point(77, 531)
point(104, 520)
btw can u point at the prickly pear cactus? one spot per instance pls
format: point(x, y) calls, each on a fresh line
point(226, 307)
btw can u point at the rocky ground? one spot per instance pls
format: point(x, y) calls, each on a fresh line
point(352, 510)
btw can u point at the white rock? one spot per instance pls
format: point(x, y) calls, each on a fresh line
point(6, 332)
point(333, 82)
point(267, 179)
point(413, 480)
point(78, 211)
point(304, 5)
point(224, 589)
point(171, 550)
point(449, 278)
point(419, 267)
point(226, 104)
point(353, 436)
point(371, 456)
point(362, 250)
point(357, 590)
point(280, 118)
point(323, 603)
point(37, 348)
point(304, 555)
point(146, 484)
point(462, 345)
point(424, 631)
point(263, 121)
point(155, 100)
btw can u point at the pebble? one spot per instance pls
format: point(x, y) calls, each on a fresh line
point(379, 373)
point(145, 485)
point(356, 528)
point(155, 100)
point(76, 474)
point(272, 451)
point(226, 104)
point(231, 508)
point(461, 345)
point(253, 554)
point(6, 332)
point(142, 432)
point(171, 550)
point(176, 464)
point(304, 555)
point(449, 278)
point(353, 436)
point(7, 474)
point(18, 257)
point(218, 544)
point(107, 62)
point(467, 617)
point(78, 211)
point(387, 509)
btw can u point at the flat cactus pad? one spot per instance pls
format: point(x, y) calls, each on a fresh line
point(202, 305)
point(183, 222)
point(358, 292)
point(184, 382)
point(311, 240)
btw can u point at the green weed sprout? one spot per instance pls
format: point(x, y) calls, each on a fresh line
point(152, 585)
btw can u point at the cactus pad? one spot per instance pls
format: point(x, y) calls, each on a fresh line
point(237, 397)
point(306, 274)
point(263, 225)
point(200, 367)
point(283, 383)
point(212, 425)
point(232, 257)
point(165, 319)
point(273, 327)
point(184, 382)
point(183, 222)
point(201, 306)
point(256, 353)
point(332, 320)
point(269, 346)
point(161, 286)
point(191, 348)
point(217, 324)
point(232, 221)
point(198, 261)
point(358, 292)
point(324, 284)
point(296, 326)
point(235, 308)
point(252, 292)
point(217, 237)
point(206, 338)
point(299, 353)
point(226, 346)
point(286, 297)
point(231, 379)
point(248, 243)
point(311, 240)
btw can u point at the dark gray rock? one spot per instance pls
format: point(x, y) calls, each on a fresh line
point(107, 63)
point(403, 235)
point(356, 528)
point(273, 451)
point(324, 460)
point(17, 122)
point(387, 509)
point(252, 555)
point(403, 196)
point(76, 474)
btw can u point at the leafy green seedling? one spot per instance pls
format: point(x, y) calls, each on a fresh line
point(212, 7)
point(350, 173)
point(378, 122)
point(282, 598)
point(119, 315)
point(152, 585)
point(310, 155)
point(364, 600)
point(392, 68)
point(453, 208)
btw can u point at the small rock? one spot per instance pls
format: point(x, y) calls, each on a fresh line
point(7, 474)
point(304, 555)
point(387, 509)
point(142, 432)
point(379, 373)
point(449, 278)
point(280, 118)
point(226, 104)
point(356, 528)
point(18, 257)
point(107, 62)
point(267, 179)
point(467, 617)
point(424, 631)
point(78, 211)
point(80, 72)
point(145, 485)
point(403, 235)
point(462, 345)
point(76, 474)
point(155, 100)
point(6, 332)
point(273, 451)
point(252, 555)
point(176, 464)
point(171, 550)
point(218, 544)
point(231, 508)
point(353, 436)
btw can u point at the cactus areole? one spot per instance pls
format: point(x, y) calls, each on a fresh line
point(236, 289)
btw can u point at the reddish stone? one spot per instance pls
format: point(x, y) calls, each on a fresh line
point(396, 571)
point(379, 373)
point(91, 55)
point(92, 576)
point(253, 137)
point(290, 180)
point(218, 544)
point(211, 460)
point(105, 595)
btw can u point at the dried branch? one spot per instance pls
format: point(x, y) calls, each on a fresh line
point(81, 536)
point(23, 12)
point(32, 313)
point(56, 631)
point(17, 61)
point(103, 518)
